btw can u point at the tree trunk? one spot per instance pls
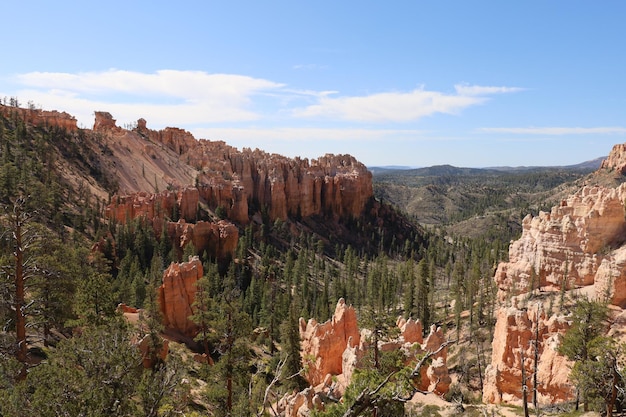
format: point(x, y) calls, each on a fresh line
point(611, 403)
point(20, 319)
point(536, 365)
point(524, 387)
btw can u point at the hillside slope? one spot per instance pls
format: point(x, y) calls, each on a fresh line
point(475, 202)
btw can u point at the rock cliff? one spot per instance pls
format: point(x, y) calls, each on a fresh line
point(332, 185)
point(217, 177)
point(578, 247)
point(567, 246)
point(616, 161)
point(176, 296)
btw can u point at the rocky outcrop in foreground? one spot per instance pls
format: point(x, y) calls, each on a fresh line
point(332, 350)
point(576, 248)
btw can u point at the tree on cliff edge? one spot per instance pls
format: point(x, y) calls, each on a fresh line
point(580, 344)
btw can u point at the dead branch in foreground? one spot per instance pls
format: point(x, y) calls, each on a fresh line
point(369, 399)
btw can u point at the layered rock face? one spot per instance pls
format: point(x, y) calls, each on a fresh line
point(38, 117)
point(336, 185)
point(572, 246)
point(616, 160)
point(577, 247)
point(240, 183)
point(176, 296)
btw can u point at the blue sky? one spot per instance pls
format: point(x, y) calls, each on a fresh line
point(417, 83)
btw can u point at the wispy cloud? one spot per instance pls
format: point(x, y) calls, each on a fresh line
point(200, 98)
point(556, 130)
point(479, 90)
point(166, 96)
point(400, 106)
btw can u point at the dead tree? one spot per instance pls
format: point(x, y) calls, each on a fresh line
point(370, 399)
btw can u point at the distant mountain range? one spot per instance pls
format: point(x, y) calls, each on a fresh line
point(451, 170)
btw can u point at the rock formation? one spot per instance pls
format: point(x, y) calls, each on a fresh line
point(38, 117)
point(323, 344)
point(332, 185)
point(104, 121)
point(577, 247)
point(567, 246)
point(435, 377)
point(218, 238)
point(616, 161)
point(331, 351)
point(176, 296)
point(516, 329)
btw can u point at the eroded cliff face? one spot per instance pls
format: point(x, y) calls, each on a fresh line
point(578, 248)
point(616, 161)
point(567, 246)
point(516, 330)
point(238, 181)
point(216, 176)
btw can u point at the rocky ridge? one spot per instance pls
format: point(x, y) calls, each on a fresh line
point(39, 117)
point(576, 248)
point(240, 182)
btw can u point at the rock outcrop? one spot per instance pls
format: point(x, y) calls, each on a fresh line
point(578, 247)
point(323, 344)
point(332, 350)
point(104, 121)
point(333, 185)
point(568, 246)
point(217, 238)
point(616, 161)
point(516, 330)
point(38, 117)
point(176, 296)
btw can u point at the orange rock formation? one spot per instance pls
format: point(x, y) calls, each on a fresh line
point(176, 296)
point(516, 330)
point(577, 247)
point(324, 343)
point(333, 349)
point(40, 117)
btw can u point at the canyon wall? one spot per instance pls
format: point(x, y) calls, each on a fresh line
point(576, 249)
point(219, 177)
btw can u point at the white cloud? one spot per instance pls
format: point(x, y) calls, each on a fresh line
point(556, 130)
point(399, 106)
point(186, 98)
point(164, 97)
point(479, 90)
